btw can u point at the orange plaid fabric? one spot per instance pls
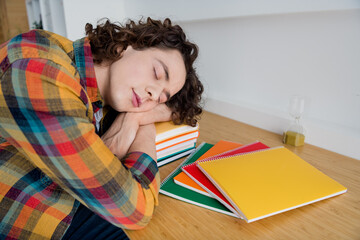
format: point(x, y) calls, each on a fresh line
point(50, 155)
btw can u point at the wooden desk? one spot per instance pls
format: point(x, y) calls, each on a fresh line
point(334, 218)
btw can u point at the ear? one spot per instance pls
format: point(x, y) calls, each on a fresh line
point(125, 50)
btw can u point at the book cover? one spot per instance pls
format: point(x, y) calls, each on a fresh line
point(170, 142)
point(267, 182)
point(200, 178)
point(175, 157)
point(165, 130)
point(220, 147)
point(175, 149)
point(169, 188)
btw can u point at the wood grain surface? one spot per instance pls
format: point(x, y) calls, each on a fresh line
point(334, 218)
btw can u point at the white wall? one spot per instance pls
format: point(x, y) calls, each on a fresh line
point(256, 54)
point(80, 12)
point(252, 65)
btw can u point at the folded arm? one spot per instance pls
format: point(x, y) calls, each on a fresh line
point(122, 132)
point(50, 125)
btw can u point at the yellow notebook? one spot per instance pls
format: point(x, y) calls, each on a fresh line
point(268, 182)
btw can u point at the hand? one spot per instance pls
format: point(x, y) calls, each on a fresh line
point(121, 134)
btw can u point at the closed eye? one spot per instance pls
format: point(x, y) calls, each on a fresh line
point(155, 74)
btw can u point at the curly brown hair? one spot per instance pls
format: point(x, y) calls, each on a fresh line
point(107, 37)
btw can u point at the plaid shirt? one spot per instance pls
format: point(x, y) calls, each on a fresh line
point(50, 156)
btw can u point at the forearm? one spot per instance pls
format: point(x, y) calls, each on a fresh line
point(160, 113)
point(73, 156)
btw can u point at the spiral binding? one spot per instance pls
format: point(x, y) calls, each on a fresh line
point(216, 156)
point(236, 155)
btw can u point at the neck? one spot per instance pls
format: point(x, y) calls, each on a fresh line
point(102, 78)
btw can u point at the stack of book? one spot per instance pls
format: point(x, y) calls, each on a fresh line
point(174, 141)
point(249, 181)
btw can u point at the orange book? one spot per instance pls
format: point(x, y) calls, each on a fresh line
point(220, 147)
point(176, 140)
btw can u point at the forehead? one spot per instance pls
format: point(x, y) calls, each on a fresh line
point(171, 56)
point(174, 62)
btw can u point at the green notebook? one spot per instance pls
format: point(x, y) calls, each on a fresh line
point(169, 188)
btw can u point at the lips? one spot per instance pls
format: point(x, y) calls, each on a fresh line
point(136, 100)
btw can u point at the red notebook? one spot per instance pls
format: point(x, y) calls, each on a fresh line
point(194, 173)
point(220, 147)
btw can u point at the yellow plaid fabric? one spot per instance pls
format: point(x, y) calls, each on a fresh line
point(50, 155)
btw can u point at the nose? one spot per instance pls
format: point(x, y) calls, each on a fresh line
point(154, 92)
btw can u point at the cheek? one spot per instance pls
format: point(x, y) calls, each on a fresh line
point(148, 106)
point(163, 98)
point(115, 100)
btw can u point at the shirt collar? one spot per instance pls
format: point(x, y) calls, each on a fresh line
point(85, 66)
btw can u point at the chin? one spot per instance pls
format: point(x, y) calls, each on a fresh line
point(139, 110)
point(132, 109)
